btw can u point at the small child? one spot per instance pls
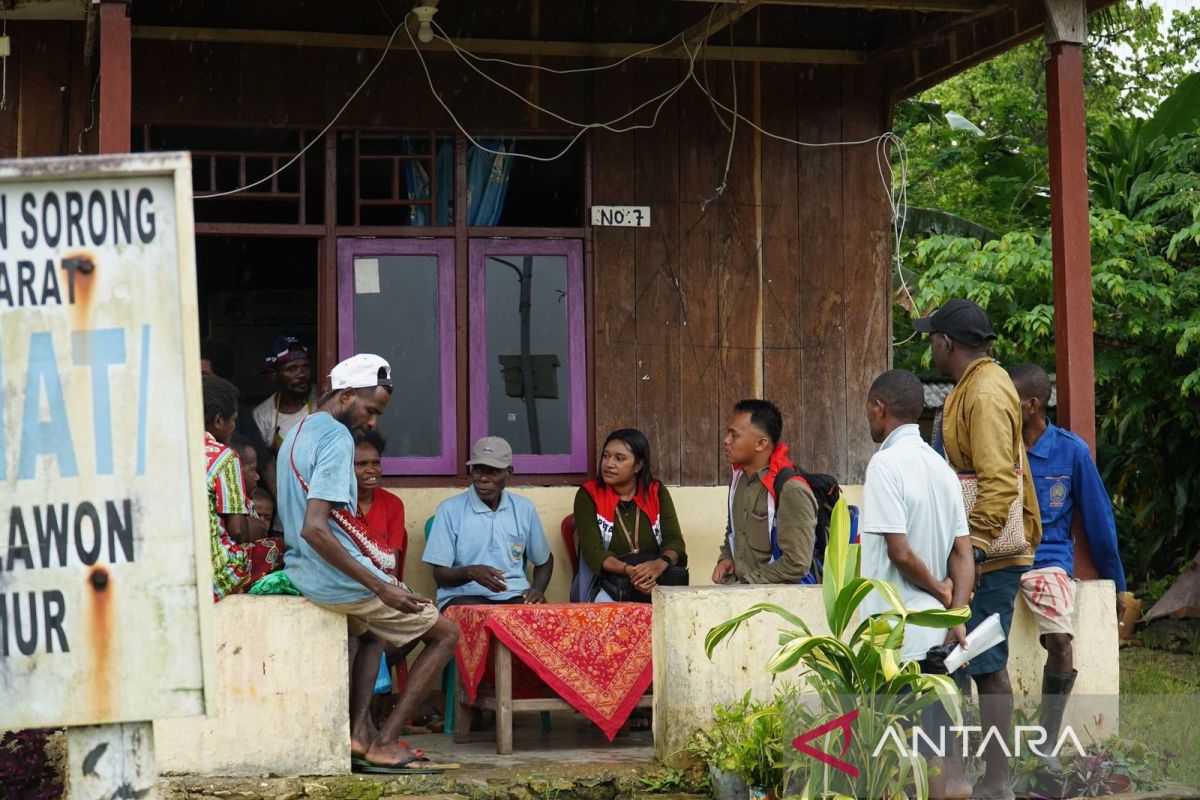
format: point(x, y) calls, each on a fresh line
point(264, 504)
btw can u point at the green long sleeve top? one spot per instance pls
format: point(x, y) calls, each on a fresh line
point(591, 546)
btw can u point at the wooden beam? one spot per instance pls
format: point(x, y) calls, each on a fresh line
point(962, 6)
point(46, 10)
point(602, 50)
point(711, 23)
point(115, 77)
point(1029, 25)
point(1070, 238)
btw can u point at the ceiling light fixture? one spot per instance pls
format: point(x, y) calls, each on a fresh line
point(424, 14)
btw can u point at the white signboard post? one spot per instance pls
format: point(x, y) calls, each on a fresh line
point(105, 574)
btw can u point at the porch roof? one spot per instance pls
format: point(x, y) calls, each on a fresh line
point(915, 43)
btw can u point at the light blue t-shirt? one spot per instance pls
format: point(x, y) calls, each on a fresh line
point(466, 532)
point(324, 455)
point(909, 489)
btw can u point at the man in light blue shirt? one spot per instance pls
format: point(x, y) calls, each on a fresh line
point(482, 538)
point(915, 536)
point(332, 560)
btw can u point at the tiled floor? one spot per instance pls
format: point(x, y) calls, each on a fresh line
point(572, 741)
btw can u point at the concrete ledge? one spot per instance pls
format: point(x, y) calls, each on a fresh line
point(687, 685)
point(284, 695)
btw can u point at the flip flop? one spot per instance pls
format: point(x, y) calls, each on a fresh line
point(364, 767)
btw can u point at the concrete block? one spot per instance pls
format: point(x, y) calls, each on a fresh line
point(687, 685)
point(283, 695)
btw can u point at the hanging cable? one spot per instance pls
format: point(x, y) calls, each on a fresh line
point(720, 190)
point(662, 100)
point(324, 130)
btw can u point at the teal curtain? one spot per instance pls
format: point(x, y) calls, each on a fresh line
point(487, 181)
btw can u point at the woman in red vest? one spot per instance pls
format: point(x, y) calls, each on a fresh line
point(626, 527)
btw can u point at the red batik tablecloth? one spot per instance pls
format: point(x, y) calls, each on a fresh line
point(596, 656)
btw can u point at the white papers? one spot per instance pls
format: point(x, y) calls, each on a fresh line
point(986, 635)
point(366, 276)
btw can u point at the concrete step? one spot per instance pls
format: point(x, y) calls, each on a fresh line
point(595, 782)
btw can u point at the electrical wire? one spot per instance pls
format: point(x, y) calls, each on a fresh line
point(662, 99)
point(609, 126)
point(387, 48)
point(552, 70)
point(720, 190)
point(91, 115)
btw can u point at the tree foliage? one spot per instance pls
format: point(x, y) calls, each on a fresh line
point(1144, 168)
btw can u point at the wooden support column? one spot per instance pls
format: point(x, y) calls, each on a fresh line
point(115, 74)
point(1066, 32)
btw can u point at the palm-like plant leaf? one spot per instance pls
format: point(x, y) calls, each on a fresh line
point(719, 633)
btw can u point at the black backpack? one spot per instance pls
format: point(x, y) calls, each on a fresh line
point(827, 492)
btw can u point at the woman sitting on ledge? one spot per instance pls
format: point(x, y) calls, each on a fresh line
point(626, 527)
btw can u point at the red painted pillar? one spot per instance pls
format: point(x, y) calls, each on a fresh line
point(1071, 241)
point(115, 75)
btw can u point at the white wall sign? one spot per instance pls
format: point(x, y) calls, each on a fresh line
point(105, 572)
point(621, 216)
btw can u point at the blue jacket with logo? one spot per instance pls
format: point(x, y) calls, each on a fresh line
point(1067, 481)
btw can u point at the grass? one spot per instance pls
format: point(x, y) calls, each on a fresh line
point(1160, 707)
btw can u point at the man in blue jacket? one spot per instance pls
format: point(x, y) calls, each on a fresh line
point(1068, 485)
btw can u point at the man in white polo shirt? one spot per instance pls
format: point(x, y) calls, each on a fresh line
point(914, 534)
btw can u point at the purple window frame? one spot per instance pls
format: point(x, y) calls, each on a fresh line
point(576, 460)
point(350, 249)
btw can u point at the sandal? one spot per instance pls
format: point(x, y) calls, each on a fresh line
point(413, 762)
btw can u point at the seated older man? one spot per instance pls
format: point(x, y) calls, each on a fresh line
point(482, 538)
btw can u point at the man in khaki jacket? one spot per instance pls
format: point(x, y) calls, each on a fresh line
point(981, 430)
point(768, 539)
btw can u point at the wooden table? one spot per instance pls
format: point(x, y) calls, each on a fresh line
point(595, 657)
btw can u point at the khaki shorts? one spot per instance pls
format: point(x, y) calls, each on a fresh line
point(392, 626)
point(1050, 594)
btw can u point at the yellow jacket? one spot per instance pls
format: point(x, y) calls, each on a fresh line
point(981, 426)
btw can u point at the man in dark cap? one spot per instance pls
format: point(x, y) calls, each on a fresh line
point(981, 432)
point(289, 368)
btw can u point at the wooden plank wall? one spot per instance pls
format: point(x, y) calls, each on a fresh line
point(778, 287)
point(48, 93)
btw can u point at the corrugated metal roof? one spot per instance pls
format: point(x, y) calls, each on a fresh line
point(936, 392)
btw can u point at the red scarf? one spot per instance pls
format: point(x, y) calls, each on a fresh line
point(606, 499)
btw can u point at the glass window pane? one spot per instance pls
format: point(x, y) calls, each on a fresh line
point(396, 316)
point(527, 352)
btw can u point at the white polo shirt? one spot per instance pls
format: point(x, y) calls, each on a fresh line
point(910, 489)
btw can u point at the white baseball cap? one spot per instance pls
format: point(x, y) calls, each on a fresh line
point(362, 371)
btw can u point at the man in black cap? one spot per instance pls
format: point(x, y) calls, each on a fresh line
point(289, 368)
point(981, 431)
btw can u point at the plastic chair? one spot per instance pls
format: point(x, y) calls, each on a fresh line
point(450, 673)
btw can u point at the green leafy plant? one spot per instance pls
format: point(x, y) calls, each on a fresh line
point(670, 780)
point(750, 739)
point(853, 669)
point(1110, 767)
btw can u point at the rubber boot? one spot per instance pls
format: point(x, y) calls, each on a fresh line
point(1056, 689)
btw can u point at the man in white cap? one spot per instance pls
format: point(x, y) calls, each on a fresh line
point(482, 538)
point(332, 560)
